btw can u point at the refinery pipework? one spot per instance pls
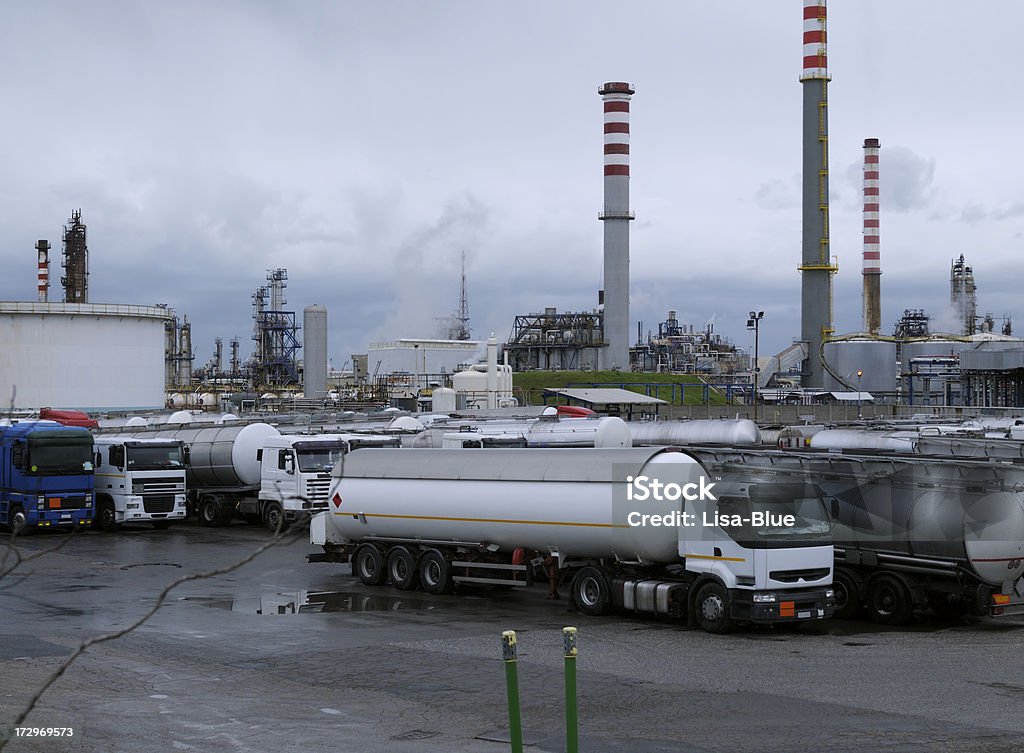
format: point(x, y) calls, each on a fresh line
point(816, 267)
point(616, 217)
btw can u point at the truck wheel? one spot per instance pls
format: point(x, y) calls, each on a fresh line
point(712, 607)
point(273, 516)
point(591, 591)
point(889, 600)
point(402, 569)
point(209, 512)
point(435, 573)
point(161, 525)
point(106, 518)
point(16, 520)
point(368, 564)
point(848, 596)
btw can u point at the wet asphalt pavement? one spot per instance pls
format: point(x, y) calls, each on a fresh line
point(283, 655)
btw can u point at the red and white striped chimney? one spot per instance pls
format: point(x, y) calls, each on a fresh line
point(872, 253)
point(616, 216)
point(43, 270)
point(815, 56)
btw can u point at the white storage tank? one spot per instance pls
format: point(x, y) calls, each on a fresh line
point(117, 351)
point(443, 400)
point(314, 351)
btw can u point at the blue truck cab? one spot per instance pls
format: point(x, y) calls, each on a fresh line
point(46, 475)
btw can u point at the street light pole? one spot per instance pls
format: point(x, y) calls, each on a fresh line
point(860, 392)
point(754, 323)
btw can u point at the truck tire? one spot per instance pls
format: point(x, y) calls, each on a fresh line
point(273, 516)
point(712, 609)
point(849, 600)
point(888, 600)
point(209, 511)
point(16, 520)
point(435, 573)
point(368, 565)
point(591, 592)
point(106, 517)
point(402, 569)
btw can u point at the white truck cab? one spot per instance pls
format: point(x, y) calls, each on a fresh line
point(139, 481)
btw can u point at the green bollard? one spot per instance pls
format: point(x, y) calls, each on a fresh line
point(508, 651)
point(571, 718)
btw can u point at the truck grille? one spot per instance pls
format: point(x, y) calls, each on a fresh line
point(795, 576)
point(158, 503)
point(170, 484)
point(317, 488)
point(72, 503)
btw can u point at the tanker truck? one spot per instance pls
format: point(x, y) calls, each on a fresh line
point(914, 534)
point(139, 481)
point(255, 472)
point(647, 530)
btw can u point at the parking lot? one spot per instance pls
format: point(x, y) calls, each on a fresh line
point(285, 655)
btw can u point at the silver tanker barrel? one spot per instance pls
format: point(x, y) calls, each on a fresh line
point(220, 457)
point(860, 439)
point(733, 432)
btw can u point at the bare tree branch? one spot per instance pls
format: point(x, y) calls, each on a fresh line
point(19, 559)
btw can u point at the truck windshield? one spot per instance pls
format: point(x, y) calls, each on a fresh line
point(59, 457)
point(779, 515)
point(314, 458)
point(147, 457)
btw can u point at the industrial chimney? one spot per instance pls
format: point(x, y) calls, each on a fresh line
point(616, 217)
point(872, 262)
point(43, 270)
point(816, 267)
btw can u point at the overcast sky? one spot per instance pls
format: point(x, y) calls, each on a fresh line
point(364, 145)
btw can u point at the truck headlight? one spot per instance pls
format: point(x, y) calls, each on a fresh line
point(829, 593)
point(765, 598)
point(132, 506)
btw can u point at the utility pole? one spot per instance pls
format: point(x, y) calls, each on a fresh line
point(754, 323)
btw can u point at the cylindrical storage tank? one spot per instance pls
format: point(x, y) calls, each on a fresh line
point(48, 349)
point(938, 347)
point(443, 400)
point(220, 456)
point(856, 439)
point(875, 359)
point(733, 432)
point(571, 500)
point(314, 351)
point(470, 380)
point(208, 401)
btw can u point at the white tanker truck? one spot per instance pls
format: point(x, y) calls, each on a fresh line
point(914, 533)
point(257, 473)
point(702, 548)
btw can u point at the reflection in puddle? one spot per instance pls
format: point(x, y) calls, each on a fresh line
point(297, 602)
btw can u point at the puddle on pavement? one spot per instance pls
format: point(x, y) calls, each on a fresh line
point(300, 602)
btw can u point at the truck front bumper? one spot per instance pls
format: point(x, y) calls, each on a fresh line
point(789, 606)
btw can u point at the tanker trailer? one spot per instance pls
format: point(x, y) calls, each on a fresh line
point(913, 533)
point(258, 473)
point(921, 533)
point(646, 530)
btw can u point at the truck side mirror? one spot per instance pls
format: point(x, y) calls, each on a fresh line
point(186, 453)
point(289, 464)
point(98, 459)
point(833, 509)
point(18, 456)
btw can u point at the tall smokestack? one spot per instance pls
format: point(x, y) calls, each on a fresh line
point(872, 261)
point(43, 270)
point(616, 217)
point(816, 267)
